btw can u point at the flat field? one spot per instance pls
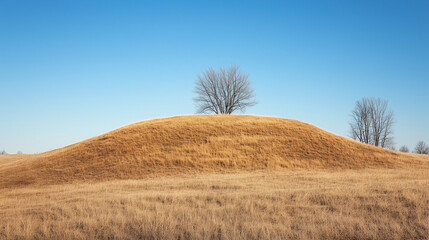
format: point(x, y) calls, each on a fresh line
point(297, 204)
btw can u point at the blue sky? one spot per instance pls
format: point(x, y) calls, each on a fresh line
point(71, 70)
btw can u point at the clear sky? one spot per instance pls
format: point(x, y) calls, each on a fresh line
point(71, 70)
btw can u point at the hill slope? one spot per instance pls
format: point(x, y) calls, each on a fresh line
point(198, 144)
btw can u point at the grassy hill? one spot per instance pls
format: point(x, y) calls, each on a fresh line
point(189, 144)
point(159, 179)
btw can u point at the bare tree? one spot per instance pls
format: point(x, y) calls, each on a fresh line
point(421, 148)
point(372, 122)
point(404, 149)
point(3, 152)
point(223, 91)
point(361, 123)
point(382, 122)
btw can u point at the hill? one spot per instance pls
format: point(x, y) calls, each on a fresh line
point(189, 144)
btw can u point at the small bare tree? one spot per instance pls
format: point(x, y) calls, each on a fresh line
point(223, 91)
point(421, 148)
point(404, 149)
point(372, 122)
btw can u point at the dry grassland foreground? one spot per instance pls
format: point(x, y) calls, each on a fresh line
point(286, 204)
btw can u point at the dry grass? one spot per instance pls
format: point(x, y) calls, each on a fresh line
point(192, 144)
point(215, 177)
point(298, 204)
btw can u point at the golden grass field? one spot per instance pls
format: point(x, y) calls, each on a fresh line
point(297, 204)
point(215, 177)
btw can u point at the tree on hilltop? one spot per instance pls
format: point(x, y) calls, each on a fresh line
point(223, 91)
